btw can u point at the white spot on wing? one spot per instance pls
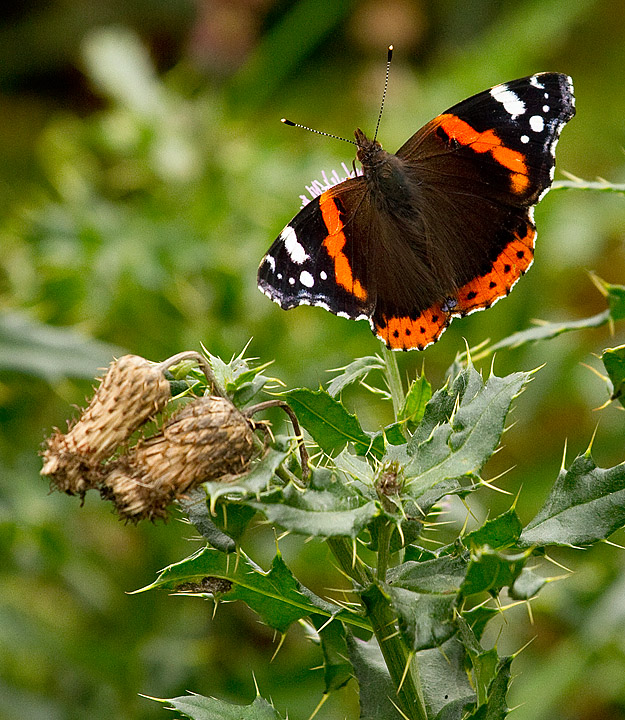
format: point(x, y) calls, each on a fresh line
point(306, 279)
point(536, 82)
point(537, 123)
point(291, 281)
point(270, 260)
point(524, 139)
point(511, 102)
point(323, 275)
point(293, 247)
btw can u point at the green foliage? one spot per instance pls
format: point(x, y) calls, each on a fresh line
point(586, 504)
point(415, 602)
point(197, 707)
point(329, 423)
point(614, 362)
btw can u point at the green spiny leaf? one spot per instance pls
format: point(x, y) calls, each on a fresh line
point(275, 595)
point(614, 363)
point(460, 447)
point(444, 680)
point(586, 504)
point(615, 295)
point(417, 397)
point(198, 707)
point(337, 669)
point(329, 423)
point(424, 596)
point(356, 370)
point(484, 662)
point(499, 533)
point(257, 480)
point(478, 617)
point(545, 331)
point(496, 707)
point(527, 585)
point(326, 508)
point(441, 405)
point(490, 570)
point(394, 435)
point(376, 687)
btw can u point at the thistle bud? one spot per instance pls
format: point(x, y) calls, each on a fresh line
point(207, 440)
point(131, 392)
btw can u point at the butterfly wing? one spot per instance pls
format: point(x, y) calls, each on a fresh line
point(320, 258)
point(480, 167)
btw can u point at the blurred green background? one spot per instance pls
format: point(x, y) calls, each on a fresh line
point(143, 174)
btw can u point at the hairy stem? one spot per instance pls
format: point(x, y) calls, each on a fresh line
point(401, 664)
point(393, 379)
point(384, 550)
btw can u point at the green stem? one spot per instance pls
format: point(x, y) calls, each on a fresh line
point(393, 379)
point(349, 562)
point(384, 550)
point(384, 623)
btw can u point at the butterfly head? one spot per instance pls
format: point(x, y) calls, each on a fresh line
point(370, 152)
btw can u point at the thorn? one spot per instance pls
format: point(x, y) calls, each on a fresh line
point(494, 487)
point(399, 710)
point(282, 639)
point(411, 654)
point(616, 545)
point(324, 697)
point(557, 564)
point(516, 499)
point(600, 284)
point(592, 439)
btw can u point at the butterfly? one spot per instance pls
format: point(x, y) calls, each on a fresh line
point(442, 228)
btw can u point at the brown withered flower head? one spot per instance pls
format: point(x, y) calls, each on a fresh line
point(130, 393)
point(206, 440)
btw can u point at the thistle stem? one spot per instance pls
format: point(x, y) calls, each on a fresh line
point(393, 380)
point(384, 550)
point(384, 623)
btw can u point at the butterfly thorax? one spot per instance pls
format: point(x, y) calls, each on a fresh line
point(385, 174)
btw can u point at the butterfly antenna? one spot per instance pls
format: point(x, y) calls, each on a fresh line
point(290, 123)
point(388, 68)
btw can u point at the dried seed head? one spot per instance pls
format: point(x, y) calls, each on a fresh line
point(131, 392)
point(207, 440)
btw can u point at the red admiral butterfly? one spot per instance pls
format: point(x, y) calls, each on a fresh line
point(440, 229)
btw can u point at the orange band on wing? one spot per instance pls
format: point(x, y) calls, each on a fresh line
point(510, 264)
point(488, 141)
point(404, 333)
point(334, 244)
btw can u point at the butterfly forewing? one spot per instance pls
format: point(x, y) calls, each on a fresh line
point(320, 258)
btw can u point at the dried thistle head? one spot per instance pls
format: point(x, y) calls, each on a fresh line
point(207, 440)
point(132, 391)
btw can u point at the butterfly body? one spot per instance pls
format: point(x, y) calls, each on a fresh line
point(439, 229)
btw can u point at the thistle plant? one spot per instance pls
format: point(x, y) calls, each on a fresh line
point(410, 629)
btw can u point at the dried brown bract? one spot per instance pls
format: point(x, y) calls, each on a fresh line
point(131, 392)
point(207, 440)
